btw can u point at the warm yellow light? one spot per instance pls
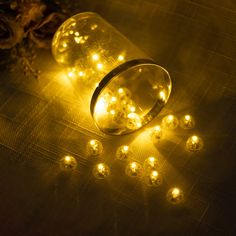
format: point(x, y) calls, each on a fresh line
point(78, 39)
point(175, 195)
point(71, 32)
point(156, 134)
point(123, 152)
point(153, 178)
point(93, 27)
point(95, 57)
point(132, 109)
point(99, 66)
point(162, 96)
point(134, 169)
point(76, 33)
point(68, 163)
point(187, 122)
point(134, 121)
point(170, 122)
point(121, 58)
point(194, 143)
point(150, 164)
point(101, 171)
point(64, 45)
point(187, 117)
point(81, 73)
point(120, 90)
point(112, 112)
point(94, 147)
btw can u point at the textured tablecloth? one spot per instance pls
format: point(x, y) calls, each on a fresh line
point(42, 120)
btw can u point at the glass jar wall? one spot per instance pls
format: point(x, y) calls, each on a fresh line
point(122, 87)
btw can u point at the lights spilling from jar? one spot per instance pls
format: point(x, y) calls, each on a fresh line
point(194, 143)
point(68, 163)
point(170, 122)
point(98, 59)
point(101, 171)
point(175, 196)
point(94, 147)
point(187, 122)
point(134, 169)
point(123, 152)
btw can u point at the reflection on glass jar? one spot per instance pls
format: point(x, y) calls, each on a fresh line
point(123, 87)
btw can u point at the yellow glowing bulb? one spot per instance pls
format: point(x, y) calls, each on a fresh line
point(154, 178)
point(78, 39)
point(170, 122)
point(132, 109)
point(134, 169)
point(81, 73)
point(123, 152)
point(156, 134)
point(94, 147)
point(187, 117)
point(120, 90)
point(194, 143)
point(112, 112)
point(99, 66)
point(95, 57)
point(68, 163)
point(121, 58)
point(76, 33)
point(187, 122)
point(64, 45)
point(150, 164)
point(175, 195)
point(162, 96)
point(93, 27)
point(133, 121)
point(71, 32)
point(101, 171)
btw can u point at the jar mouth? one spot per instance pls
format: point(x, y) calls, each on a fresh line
point(145, 88)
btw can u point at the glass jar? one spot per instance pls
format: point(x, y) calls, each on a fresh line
point(124, 88)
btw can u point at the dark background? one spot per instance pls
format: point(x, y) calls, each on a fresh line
point(196, 42)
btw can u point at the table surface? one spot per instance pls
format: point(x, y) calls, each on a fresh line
point(42, 120)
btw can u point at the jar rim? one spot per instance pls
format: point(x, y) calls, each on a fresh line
point(156, 108)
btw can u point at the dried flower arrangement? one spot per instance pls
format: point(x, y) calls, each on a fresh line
point(26, 25)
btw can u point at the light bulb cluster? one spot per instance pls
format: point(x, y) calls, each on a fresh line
point(193, 144)
point(120, 108)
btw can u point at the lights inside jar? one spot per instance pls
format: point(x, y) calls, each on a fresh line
point(98, 59)
point(156, 134)
point(150, 164)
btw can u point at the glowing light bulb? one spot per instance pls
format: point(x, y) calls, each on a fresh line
point(95, 57)
point(170, 122)
point(64, 45)
point(124, 93)
point(120, 58)
point(187, 122)
point(162, 96)
point(81, 73)
point(156, 134)
point(175, 196)
point(194, 143)
point(154, 178)
point(134, 169)
point(76, 33)
point(123, 152)
point(150, 164)
point(68, 163)
point(93, 27)
point(99, 66)
point(94, 147)
point(133, 121)
point(101, 171)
